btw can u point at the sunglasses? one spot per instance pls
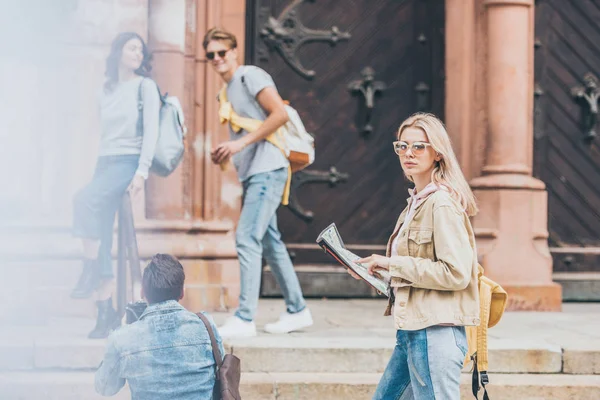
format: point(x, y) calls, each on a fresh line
point(211, 54)
point(417, 148)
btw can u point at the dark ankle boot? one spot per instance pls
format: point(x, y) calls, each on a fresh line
point(89, 280)
point(107, 320)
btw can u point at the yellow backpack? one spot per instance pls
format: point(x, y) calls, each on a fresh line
point(492, 302)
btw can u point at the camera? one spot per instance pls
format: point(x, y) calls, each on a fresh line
point(133, 311)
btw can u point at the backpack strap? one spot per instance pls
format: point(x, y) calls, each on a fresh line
point(228, 114)
point(475, 380)
point(480, 357)
point(140, 121)
point(215, 348)
point(140, 101)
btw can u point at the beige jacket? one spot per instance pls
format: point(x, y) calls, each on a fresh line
point(435, 271)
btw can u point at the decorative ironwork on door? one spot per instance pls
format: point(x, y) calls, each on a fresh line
point(286, 34)
point(333, 177)
point(369, 87)
point(587, 97)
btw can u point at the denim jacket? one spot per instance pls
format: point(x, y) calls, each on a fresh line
point(165, 355)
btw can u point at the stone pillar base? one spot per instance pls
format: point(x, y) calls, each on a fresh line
point(534, 298)
point(211, 285)
point(512, 240)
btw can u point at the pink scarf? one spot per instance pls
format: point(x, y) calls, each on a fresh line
point(415, 200)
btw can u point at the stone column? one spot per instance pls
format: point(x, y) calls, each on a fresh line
point(512, 223)
point(183, 211)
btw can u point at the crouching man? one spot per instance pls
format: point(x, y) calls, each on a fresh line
point(167, 353)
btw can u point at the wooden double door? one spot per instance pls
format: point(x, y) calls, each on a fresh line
point(354, 70)
point(567, 149)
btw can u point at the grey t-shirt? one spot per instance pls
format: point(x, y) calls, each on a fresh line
point(261, 156)
point(119, 118)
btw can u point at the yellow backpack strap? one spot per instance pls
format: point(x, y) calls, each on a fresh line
point(227, 114)
point(471, 332)
point(277, 140)
point(285, 199)
point(480, 358)
point(223, 94)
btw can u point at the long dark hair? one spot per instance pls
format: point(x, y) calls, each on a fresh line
point(114, 58)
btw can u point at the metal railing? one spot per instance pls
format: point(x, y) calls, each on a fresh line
point(128, 258)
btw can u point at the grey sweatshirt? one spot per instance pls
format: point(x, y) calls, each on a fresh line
point(119, 116)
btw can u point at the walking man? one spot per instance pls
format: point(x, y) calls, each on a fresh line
point(263, 171)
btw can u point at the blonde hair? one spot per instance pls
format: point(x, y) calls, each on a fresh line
point(447, 171)
point(220, 35)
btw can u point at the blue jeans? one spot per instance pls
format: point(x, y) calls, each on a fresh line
point(426, 365)
point(256, 236)
point(95, 206)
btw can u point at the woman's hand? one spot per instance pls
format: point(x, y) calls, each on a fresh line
point(354, 274)
point(136, 185)
point(375, 263)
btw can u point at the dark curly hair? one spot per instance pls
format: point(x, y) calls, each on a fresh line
point(114, 58)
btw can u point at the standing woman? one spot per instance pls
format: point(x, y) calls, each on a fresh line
point(432, 259)
point(129, 132)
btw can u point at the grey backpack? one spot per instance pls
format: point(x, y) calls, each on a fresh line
point(171, 131)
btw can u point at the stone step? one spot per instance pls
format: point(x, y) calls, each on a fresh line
point(42, 303)
point(309, 354)
point(332, 281)
point(579, 286)
point(371, 354)
point(307, 386)
point(318, 281)
point(36, 290)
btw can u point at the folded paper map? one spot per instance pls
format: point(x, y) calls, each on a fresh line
point(331, 241)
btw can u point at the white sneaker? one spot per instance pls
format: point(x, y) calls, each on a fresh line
point(291, 322)
point(236, 327)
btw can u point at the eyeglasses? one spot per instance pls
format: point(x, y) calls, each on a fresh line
point(417, 148)
point(211, 54)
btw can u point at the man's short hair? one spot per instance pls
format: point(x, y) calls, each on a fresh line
point(163, 279)
point(219, 35)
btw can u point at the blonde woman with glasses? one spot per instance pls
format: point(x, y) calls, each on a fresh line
point(432, 259)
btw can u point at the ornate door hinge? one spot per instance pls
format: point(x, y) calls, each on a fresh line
point(300, 178)
point(286, 34)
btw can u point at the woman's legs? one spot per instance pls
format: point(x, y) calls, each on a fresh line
point(435, 360)
point(90, 248)
point(89, 278)
point(94, 214)
point(104, 252)
point(425, 365)
point(395, 381)
point(86, 225)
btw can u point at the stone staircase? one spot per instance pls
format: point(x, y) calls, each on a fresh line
point(297, 386)
point(552, 356)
